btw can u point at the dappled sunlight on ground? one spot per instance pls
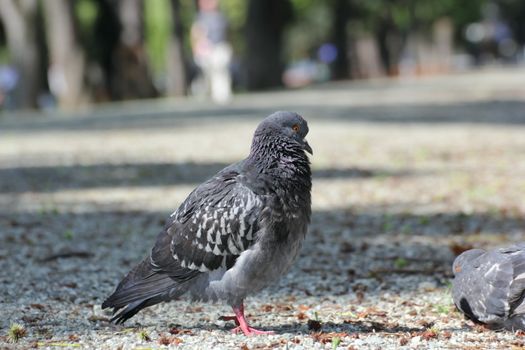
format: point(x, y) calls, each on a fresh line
point(398, 191)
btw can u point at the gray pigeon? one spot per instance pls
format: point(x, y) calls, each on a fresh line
point(489, 286)
point(235, 233)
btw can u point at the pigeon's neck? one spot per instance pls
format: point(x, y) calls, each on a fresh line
point(280, 159)
point(282, 169)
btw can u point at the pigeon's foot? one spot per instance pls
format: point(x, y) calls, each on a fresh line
point(250, 331)
point(242, 324)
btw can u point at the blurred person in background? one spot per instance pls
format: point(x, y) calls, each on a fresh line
point(491, 40)
point(9, 77)
point(212, 52)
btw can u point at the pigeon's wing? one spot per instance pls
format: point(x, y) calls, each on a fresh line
point(516, 254)
point(480, 290)
point(212, 227)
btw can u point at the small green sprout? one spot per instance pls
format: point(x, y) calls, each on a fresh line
point(68, 234)
point(442, 309)
point(16, 332)
point(143, 335)
point(400, 263)
point(406, 230)
point(335, 342)
point(424, 220)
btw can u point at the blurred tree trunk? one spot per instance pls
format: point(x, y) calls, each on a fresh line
point(383, 30)
point(19, 18)
point(131, 72)
point(105, 41)
point(341, 13)
point(390, 42)
point(67, 62)
point(265, 24)
point(176, 63)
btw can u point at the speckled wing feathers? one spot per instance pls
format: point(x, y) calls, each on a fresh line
point(516, 254)
point(491, 287)
point(485, 287)
point(217, 222)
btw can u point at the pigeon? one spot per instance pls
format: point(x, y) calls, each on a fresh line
point(235, 233)
point(489, 286)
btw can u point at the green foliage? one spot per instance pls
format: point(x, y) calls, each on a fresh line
point(411, 14)
point(302, 6)
point(312, 27)
point(158, 26)
point(235, 12)
point(159, 23)
point(4, 55)
point(313, 21)
point(86, 11)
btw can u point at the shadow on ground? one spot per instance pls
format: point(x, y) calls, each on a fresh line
point(89, 237)
point(302, 328)
point(55, 178)
point(503, 112)
point(102, 246)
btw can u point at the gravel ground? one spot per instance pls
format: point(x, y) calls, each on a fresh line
point(406, 175)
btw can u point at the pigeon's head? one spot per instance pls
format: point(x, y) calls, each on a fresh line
point(288, 126)
point(465, 259)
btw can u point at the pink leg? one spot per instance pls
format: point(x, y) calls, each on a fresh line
point(243, 325)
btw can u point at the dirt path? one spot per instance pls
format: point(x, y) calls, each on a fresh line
point(405, 174)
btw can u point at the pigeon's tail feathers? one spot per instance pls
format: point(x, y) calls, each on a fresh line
point(142, 287)
point(140, 283)
point(131, 309)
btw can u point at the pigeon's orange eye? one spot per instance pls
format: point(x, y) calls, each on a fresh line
point(295, 127)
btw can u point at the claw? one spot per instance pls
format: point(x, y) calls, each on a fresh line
point(249, 331)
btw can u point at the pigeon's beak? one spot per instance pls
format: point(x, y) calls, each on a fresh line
point(307, 147)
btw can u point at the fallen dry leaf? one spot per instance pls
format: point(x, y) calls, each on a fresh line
point(175, 330)
point(266, 307)
point(327, 337)
point(429, 334)
point(458, 248)
point(303, 307)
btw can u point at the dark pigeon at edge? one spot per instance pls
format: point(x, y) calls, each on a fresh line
point(489, 286)
point(235, 233)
